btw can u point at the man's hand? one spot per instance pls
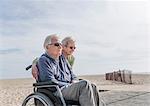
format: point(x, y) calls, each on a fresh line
point(35, 72)
point(74, 81)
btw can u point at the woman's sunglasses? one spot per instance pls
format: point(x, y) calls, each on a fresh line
point(72, 47)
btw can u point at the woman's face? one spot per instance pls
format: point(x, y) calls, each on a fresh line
point(70, 48)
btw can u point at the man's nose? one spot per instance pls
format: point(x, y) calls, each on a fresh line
point(60, 47)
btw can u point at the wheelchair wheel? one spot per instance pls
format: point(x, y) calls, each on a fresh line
point(37, 99)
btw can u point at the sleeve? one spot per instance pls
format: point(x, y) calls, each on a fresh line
point(46, 70)
point(73, 76)
point(61, 84)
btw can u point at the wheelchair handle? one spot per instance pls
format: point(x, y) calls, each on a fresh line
point(27, 68)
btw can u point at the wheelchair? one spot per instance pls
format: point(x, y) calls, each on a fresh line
point(47, 94)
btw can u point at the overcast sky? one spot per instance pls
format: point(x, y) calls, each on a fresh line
point(110, 34)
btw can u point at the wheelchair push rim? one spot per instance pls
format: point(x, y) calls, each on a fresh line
point(40, 97)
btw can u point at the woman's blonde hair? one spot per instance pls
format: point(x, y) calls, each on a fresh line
point(67, 40)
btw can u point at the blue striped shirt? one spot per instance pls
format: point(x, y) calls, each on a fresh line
point(55, 70)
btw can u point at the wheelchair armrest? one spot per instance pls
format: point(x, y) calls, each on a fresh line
point(45, 83)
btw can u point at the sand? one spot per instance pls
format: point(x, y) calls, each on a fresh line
point(13, 92)
point(141, 82)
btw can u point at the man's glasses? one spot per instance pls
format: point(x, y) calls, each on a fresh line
point(56, 44)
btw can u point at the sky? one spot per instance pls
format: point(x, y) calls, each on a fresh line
point(110, 34)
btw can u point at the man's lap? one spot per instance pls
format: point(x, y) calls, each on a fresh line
point(72, 92)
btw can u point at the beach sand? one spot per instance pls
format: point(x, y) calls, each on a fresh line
point(14, 91)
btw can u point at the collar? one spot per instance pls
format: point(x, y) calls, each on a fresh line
point(50, 57)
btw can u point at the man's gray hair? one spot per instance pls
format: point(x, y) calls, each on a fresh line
point(48, 40)
point(67, 40)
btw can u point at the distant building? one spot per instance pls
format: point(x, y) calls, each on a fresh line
point(120, 75)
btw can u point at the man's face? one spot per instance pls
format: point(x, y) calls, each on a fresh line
point(55, 48)
point(69, 49)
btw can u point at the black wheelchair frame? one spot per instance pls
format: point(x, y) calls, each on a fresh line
point(47, 94)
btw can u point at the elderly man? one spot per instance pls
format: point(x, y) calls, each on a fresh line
point(49, 69)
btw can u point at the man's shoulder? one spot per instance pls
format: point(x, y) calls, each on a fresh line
point(43, 58)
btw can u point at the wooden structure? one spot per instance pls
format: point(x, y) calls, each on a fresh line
point(121, 75)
